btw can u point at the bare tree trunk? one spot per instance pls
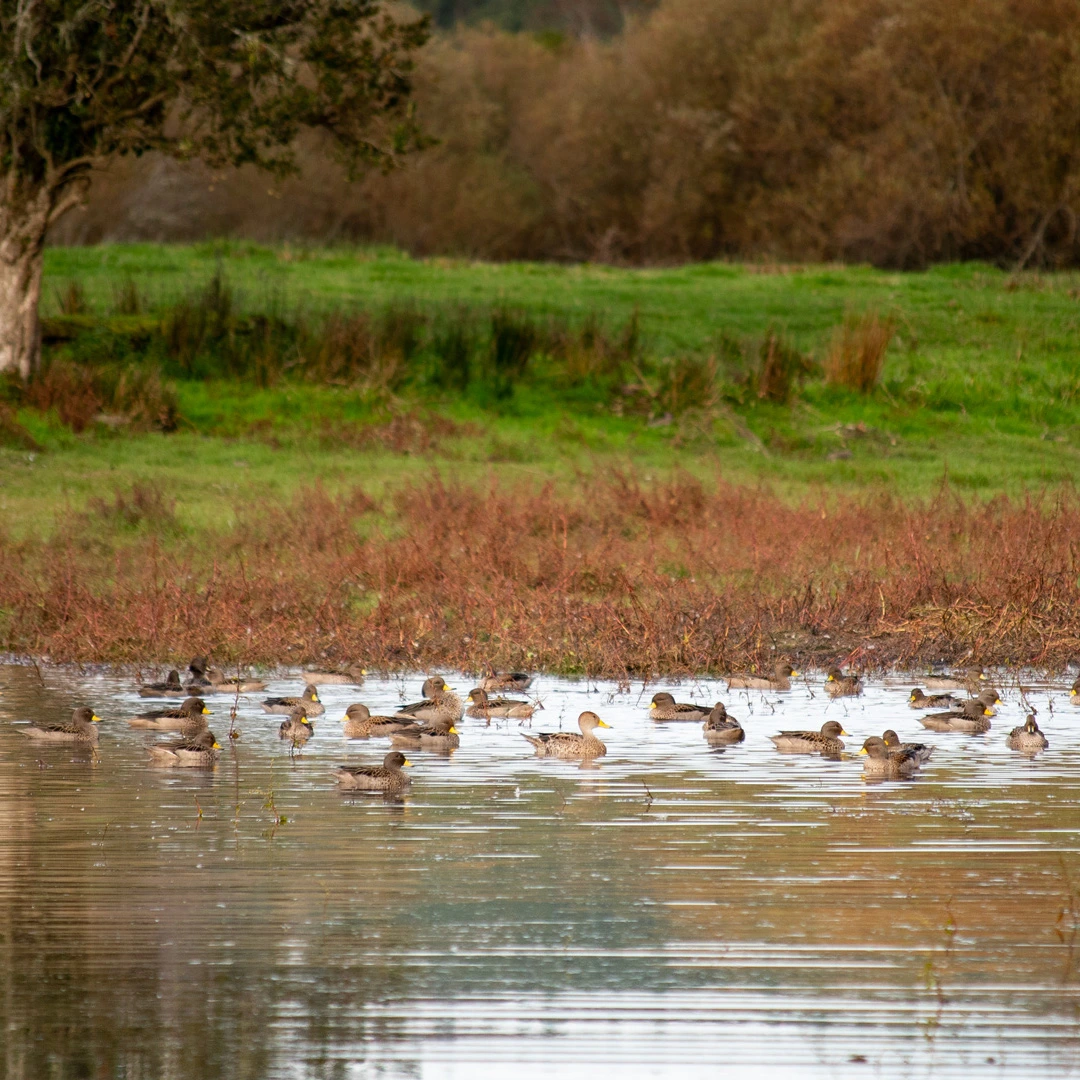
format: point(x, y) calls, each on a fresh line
point(22, 244)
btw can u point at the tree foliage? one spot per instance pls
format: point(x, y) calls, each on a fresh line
point(228, 81)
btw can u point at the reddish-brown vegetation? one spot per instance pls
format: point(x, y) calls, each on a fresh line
point(615, 578)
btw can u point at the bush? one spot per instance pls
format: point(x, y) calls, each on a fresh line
point(856, 355)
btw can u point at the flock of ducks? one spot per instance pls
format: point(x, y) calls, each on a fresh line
point(431, 723)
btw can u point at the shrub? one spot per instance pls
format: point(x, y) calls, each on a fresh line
point(856, 355)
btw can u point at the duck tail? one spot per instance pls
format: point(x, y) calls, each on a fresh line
point(535, 740)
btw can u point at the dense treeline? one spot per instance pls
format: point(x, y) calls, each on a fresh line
point(895, 131)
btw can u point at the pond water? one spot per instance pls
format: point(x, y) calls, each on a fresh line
point(671, 910)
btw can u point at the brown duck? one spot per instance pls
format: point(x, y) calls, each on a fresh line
point(439, 703)
point(921, 751)
point(171, 687)
point(284, 706)
point(438, 735)
point(200, 751)
point(1027, 739)
point(386, 778)
point(297, 729)
point(516, 682)
point(973, 680)
point(921, 700)
point(972, 718)
point(337, 676)
point(837, 684)
point(79, 729)
point(826, 741)
point(781, 678)
point(567, 744)
point(720, 728)
point(881, 761)
point(360, 724)
point(484, 707)
point(189, 718)
point(664, 707)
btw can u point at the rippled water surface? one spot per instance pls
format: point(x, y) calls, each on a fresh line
point(672, 910)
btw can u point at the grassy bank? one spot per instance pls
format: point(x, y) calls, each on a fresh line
point(195, 396)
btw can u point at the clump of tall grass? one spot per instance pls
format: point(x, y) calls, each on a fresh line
point(856, 355)
point(780, 366)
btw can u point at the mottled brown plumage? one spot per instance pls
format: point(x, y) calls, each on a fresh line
point(484, 707)
point(1027, 739)
point(826, 741)
point(567, 744)
point(664, 707)
point(189, 718)
point(780, 679)
point(360, 724)
point(386, 778)
point(284, 706)
point(719, 727)
point(439, 703)
point(79, 729)
point(200, 751)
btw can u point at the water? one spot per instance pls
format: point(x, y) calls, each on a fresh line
point(672, 910)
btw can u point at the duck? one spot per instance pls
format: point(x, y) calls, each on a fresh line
point(826, 741)
point(920, 700)
point(1027, 739)
point(438, 735)
point(171, 687)
point(719, 727)
point(989, 698)
point(197, 671)
point(297, 729)
point(440, 703)
point(969, 719)
point(220, 684)
point(664, 707)
point(200, 751)
point(387, 777)
point(972, 679)
point(567, 744)
point(283, 706)
point(189, 718)
point(335, 676)
point(517, 682)
point(881, 761)
point(781, 678)
point(837, 684)
point(360, 724)
point(484, 707)
point(921, 751)
point(79, 729)
point(1074, 693)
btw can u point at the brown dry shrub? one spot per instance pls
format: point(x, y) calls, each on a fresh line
point(855, 358)
point(69, 389)
point(613, 575)
point(144, 503)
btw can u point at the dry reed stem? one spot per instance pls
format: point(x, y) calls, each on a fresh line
point(618, 578)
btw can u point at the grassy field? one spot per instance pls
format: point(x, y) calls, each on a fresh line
point(980, 383)
point(980, 388)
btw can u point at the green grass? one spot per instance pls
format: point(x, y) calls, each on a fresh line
point(981, 382)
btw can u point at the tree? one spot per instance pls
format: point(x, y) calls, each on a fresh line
point(229, 81)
